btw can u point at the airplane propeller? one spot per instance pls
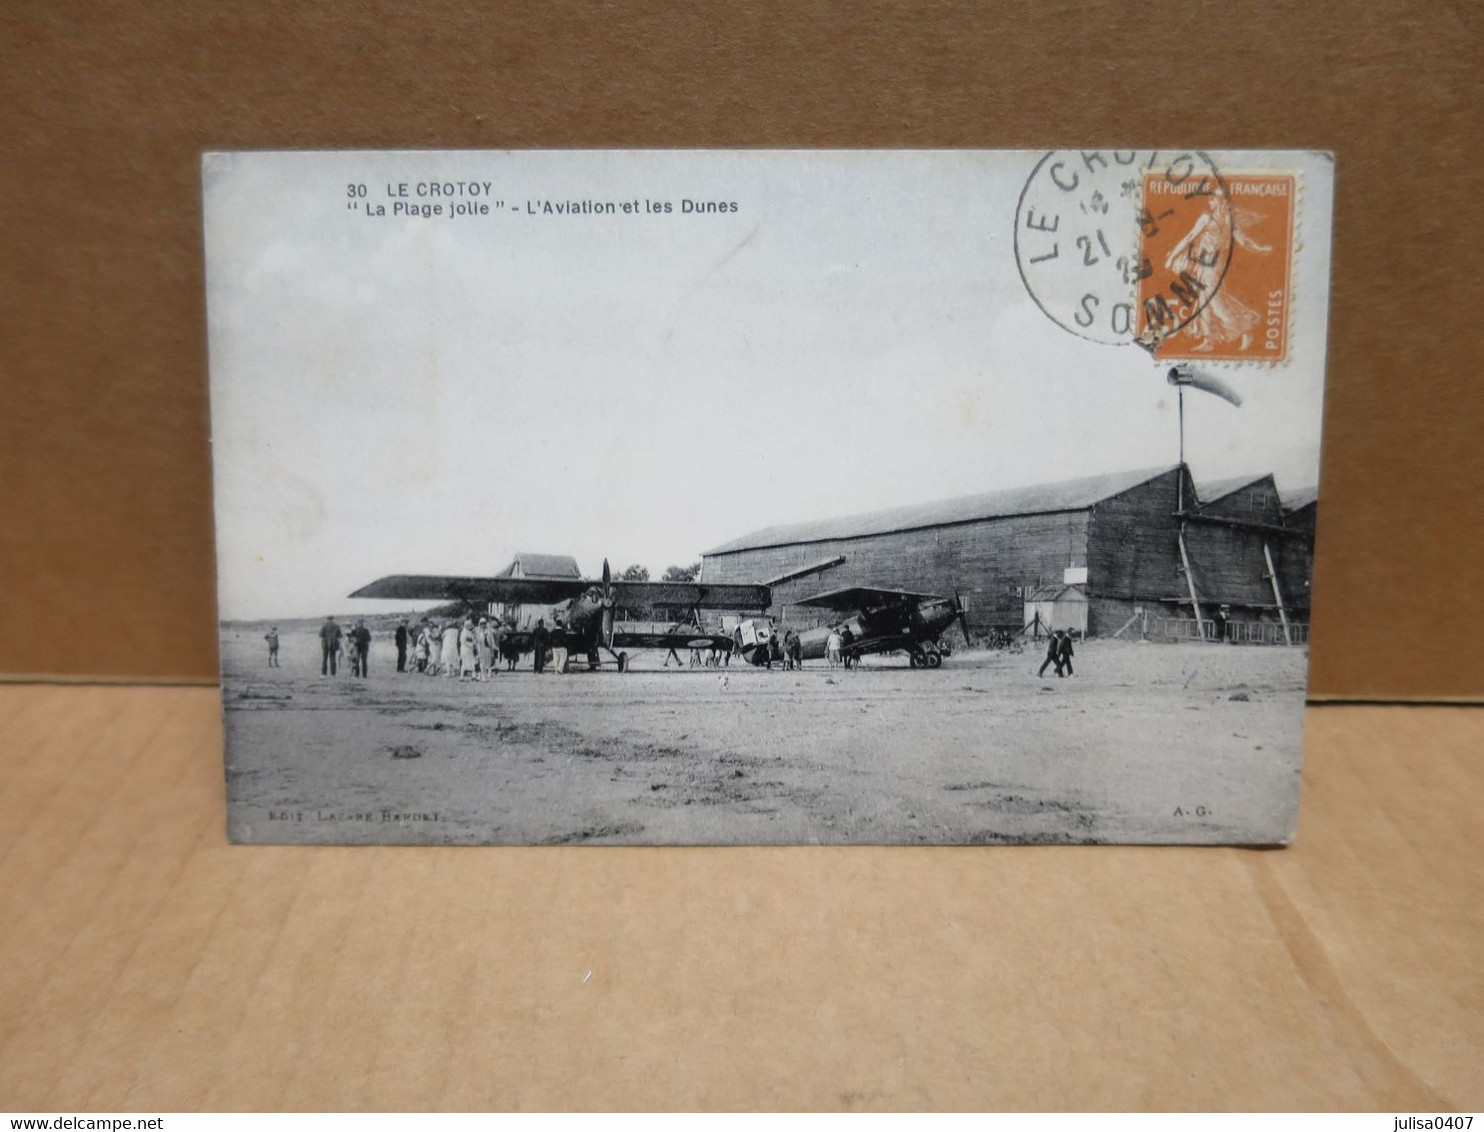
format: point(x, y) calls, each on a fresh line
point(607, 628)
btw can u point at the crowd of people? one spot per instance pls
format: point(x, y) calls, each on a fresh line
point(783, 648)
point(454, 649)
point(475, 650)
point(838, 651)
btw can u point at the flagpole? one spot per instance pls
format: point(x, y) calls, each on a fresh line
point(1180, 393)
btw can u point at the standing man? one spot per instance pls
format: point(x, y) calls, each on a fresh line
point(360, 647)
point(329, 644)
point(847, 639)
point(540, 637)
point(832, 648)
point(793, 647)
point(1053, 653)
point(271, 636)
point(1066, 653)
point(401, 639)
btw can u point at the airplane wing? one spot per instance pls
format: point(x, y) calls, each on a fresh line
point(853, 598)
point(476, 591)
point(691, 595)
point(678, 639)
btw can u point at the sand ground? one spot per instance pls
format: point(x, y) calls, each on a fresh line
point(1145, 743)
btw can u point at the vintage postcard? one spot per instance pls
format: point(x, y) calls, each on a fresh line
point(795, 497)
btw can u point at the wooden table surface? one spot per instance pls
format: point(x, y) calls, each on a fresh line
point(147, 965)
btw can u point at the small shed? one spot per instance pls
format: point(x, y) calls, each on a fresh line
point(527, 565)
point(1056, 607)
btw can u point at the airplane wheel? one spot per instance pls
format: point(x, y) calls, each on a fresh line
point(934, 660)
point(916, 659)
point(623, 662)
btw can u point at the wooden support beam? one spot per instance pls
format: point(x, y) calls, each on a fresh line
point(1267, 553)
point(1195, 601)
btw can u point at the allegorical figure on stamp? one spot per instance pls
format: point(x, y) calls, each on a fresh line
point(1198, 254)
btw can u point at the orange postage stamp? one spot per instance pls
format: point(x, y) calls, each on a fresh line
point(1226, 307)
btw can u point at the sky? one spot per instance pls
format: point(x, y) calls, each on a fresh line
point(399, 394)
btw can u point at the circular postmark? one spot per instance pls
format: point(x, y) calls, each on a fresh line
point(1123, 246)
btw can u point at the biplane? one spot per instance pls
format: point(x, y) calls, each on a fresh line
point(588, 627)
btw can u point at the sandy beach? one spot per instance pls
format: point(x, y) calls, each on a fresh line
point(1146, 743)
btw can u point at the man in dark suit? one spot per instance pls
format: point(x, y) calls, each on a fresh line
point(1053, 654)
point(401, 639)
point(1066, 654)
point(329, 644)
point(359, 650)
point(540, 638)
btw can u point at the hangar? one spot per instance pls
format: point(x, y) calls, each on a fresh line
point(1146, 548)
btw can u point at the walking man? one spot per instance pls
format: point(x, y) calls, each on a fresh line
point(1053, 653)
point(329, 644)
point(271, 636)
point(1066, 653)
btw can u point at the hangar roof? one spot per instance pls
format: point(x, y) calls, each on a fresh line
point(1220, 489)
point(1298, 498)
point(1041, 499)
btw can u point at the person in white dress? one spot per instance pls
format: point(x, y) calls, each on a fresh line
point(485, 644)
point(451, 649)
point(467, 649)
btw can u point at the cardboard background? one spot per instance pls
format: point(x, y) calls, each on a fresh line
point(105, 532)
point(149, 966)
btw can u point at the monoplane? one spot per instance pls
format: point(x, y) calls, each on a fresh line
point(882, 620)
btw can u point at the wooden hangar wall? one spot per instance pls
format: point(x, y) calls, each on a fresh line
point(986, 562)
point(1129, 543)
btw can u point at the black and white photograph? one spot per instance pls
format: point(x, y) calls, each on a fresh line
point(662, 497)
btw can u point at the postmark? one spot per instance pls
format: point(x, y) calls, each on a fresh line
point(1083, 228)
point(1249, 318)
